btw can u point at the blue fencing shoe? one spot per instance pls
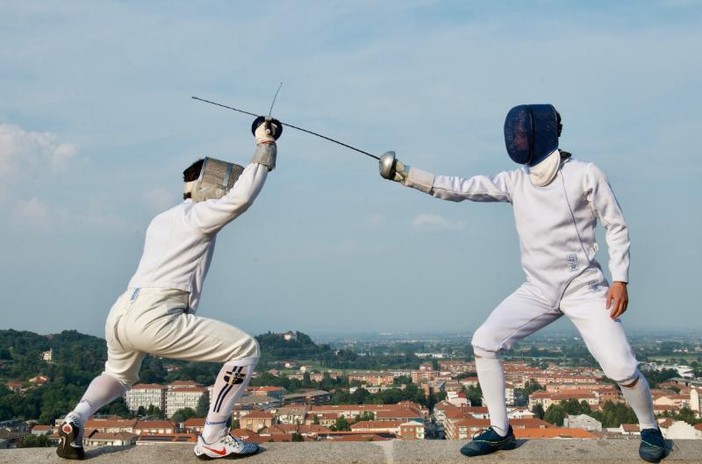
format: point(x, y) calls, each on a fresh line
point(488, 442)
point(653, 446)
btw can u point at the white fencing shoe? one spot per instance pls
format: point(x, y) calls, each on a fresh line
point(226, 446)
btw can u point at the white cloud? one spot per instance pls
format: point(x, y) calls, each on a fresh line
point(435, 222)
point(32, 214)
point(24, 155)
point(63, 154)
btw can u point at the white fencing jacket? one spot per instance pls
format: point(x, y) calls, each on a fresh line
point(179, 242)
point(556, 223)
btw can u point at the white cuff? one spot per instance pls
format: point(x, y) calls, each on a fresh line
point(265, 154)
point(420, 180)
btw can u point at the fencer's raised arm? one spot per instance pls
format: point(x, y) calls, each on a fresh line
point(266, 131)
point(214, 213)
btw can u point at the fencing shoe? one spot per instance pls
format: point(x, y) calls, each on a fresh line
point(653, 446)
point(226, 446)
point(488, 442)
point(71, 438)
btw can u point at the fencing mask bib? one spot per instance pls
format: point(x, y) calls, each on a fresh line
point(216, 178)
point(531, 133)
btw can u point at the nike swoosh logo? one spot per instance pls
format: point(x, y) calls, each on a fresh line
point(220, 452)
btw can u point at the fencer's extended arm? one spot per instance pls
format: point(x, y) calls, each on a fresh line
point(393, 169)
point(476, 188)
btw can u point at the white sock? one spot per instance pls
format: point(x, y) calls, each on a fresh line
point(228, 388)
point(101, 391)
point(492, 383)
point(639, 398)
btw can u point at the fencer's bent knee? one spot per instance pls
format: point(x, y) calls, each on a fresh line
point(621, 371)
point(248, 348)
point(629, 381)
point(126, 379)
point(481, 353)
point(483, 345)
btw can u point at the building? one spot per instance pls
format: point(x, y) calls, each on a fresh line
point(273, 392)
point(412, 431)
point(405, 411)
point(375, 378)
point(308, 397)
point(464, 429)
point(194, 425)
point(97, 439)
point(42, 430)
point(155, 427)
point(582, 421)
point(374, 426)
point(257, 420)
point(109, 425)
point(184, 394)
point(546, 398)
point(291, 415)
point(144, 395)
point(680, 430)
point(457, 398)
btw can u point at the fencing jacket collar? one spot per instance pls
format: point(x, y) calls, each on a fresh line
point(543, 173)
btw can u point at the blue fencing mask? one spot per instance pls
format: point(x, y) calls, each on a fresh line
point(531, 133)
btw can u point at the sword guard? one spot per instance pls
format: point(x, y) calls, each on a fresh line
point(265, 120)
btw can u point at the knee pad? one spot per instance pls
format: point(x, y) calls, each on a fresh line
point(485, 344)
point(482, 353)
point(632, 379)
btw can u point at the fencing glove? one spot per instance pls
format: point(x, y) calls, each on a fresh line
point(266, 131)
point(393, 169)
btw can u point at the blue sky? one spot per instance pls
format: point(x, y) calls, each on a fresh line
point(97, 124)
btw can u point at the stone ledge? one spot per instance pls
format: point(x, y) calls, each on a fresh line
point(389, 452)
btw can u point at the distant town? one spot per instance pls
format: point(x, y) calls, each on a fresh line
point(347, 388)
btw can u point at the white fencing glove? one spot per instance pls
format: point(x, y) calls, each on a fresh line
point(266, 131)
point(393, 169)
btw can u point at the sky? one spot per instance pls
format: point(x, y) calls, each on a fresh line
point(97, 124)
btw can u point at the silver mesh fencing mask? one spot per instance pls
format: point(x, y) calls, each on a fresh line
point(531, 133)
point(216, 178)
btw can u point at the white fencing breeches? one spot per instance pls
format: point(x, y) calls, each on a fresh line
point(526, 311)
point(156, 321)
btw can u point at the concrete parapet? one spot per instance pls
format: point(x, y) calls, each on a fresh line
point(388, 452)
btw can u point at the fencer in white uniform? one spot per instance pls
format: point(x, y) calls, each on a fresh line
point(557, 203)
point(156, 315)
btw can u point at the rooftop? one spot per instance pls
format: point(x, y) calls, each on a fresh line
point(388, 452)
